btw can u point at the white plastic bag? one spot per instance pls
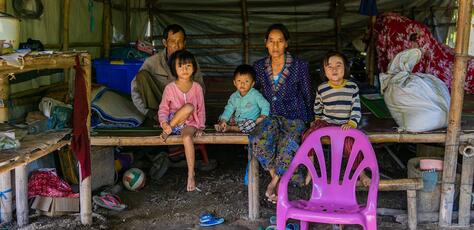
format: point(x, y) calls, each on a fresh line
point(418, 102)
point(46, 105)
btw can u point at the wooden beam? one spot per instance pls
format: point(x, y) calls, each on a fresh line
point(85, 184)
point(106, 29)
point(253, 188)
point(454, 122)
point(3, 5)
point(21, 198)
point(65, 33)
point(371, 55)
point(243, 139)
point(4, 95)
point(465, 191)
point(245, 28)
point(127, 21)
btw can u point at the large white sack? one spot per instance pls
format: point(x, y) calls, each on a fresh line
point(418, 102)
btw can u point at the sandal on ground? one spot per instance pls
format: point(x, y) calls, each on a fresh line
point(207, 220)
point(109, 201)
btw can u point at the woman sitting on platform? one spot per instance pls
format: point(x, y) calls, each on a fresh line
point(285, 82)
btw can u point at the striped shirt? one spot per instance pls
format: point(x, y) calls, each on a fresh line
point(338, 104)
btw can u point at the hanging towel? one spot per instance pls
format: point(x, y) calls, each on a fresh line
point(80, 143)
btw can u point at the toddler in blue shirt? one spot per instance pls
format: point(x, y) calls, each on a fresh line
point(247, 105)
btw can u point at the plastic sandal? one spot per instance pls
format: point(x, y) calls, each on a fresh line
point(207, 220)
point(109, 201)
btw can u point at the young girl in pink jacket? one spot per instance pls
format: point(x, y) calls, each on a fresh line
point(181, 109)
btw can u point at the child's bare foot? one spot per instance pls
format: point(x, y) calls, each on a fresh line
point(191, 184)
point(217, 127)
point(365, 180)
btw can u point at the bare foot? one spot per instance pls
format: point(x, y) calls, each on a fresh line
point(307, 179)
point(191, 184)
point(271, 190)
point(365, 180)
point(217, 127)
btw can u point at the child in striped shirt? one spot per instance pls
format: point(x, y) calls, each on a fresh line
point(337, 103)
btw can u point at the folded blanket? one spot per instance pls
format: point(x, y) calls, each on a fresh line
point(111, 110)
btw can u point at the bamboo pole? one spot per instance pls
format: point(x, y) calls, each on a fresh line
point(106, 29)
point(454, 123)
point(21, 199)
point(4, 94)
point(337, 8)
point(127, 21)
point(152, 23)
point(85, 184)
point(371, 52)
point(7, 196)
point(245, 27)
point(212, 138)
point(411, 209)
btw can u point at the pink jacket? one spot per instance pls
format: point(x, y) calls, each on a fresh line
point(173, 99)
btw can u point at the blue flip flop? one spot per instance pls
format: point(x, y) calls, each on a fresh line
point(209, 220)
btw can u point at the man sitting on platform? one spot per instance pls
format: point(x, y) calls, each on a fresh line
point(155, 74)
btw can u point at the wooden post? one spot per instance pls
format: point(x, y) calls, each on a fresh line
point(337, 9)
point(85, 185)
point(465, 191)
point(253, 183)
point(411, 209)
point(152, 23)
point(106, 29)
point(3, 5)
point(21, 199)
point(245, 25)
point(66, 25)
point(127, 21)
point(454, 122)
point(7, 197)
point(4, 94)
point(371, 52)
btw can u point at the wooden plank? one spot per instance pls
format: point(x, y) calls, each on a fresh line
point(21, 199)
point(36, 62)
point(106, 38)
point(455, 111)
point(26, 159)
point(242, 139)
point(245, 28)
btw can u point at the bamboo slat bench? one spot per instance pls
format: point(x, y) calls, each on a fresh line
point(116, 138)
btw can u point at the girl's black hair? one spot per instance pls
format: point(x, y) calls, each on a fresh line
point(332, 53)
point(182, 57)
point(280, 27)
point(245, 69)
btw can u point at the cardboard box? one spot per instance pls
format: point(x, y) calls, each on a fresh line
point(55, 206)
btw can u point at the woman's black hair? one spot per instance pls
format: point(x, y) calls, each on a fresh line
point(280, 27)
point(333, 53)
point(182, 57)
point(243, 70)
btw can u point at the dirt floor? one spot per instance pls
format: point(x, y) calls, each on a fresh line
point(164, 203)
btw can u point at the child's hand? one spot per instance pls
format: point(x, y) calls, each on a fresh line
point(166, 127)
point(199, 132)
point(260, 119)
point(345, 127)
point(222, 126)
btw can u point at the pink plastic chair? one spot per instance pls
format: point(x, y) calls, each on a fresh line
point(334, 201)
